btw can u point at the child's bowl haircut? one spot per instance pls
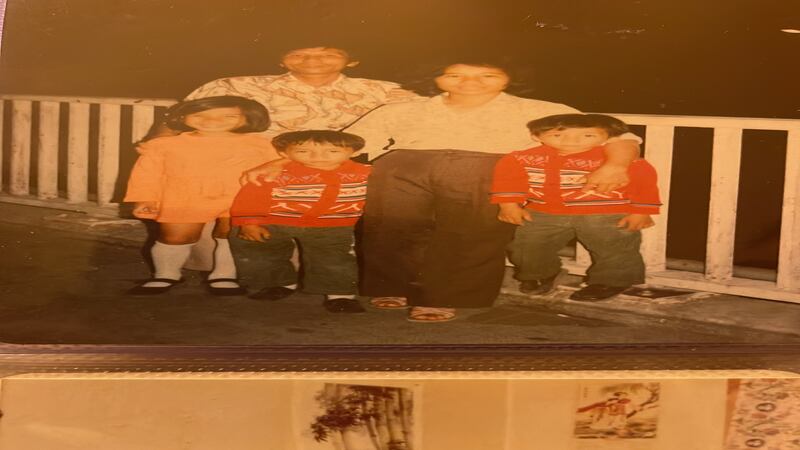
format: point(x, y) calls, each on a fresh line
point(283, 141)
point(611, 125)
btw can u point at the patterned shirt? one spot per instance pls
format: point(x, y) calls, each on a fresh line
point(305, 197)
point(294, 105)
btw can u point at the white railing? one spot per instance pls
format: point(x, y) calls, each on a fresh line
point(718, 275)
point(725, 167)
point(48, 131)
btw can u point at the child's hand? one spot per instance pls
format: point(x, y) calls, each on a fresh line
point(636, 222)
point(514, 214)
point(253, 233)
point(145, 210)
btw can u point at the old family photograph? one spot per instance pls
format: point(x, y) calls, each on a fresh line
point(406, 162)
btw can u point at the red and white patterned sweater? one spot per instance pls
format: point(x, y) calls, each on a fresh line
point(305, 197)
point(548, 182)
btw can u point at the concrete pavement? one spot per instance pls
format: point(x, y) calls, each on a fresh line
point(65, 274)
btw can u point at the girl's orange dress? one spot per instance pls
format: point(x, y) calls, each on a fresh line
point(195, 178)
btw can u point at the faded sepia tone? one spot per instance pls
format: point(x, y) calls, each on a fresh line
point(707, 89)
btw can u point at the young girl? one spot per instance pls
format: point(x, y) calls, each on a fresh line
point(184, 181)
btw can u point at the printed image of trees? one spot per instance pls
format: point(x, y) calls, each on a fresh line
point(359, 417)
point(620, 410)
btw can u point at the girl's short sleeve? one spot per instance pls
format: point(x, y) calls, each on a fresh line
point(152, 147)
point(145, 182)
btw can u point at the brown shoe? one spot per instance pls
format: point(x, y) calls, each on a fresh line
point(537, 287)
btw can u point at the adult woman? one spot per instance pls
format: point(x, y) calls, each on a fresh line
point(430, 236)
point(431, 239)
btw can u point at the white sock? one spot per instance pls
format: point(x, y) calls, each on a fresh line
point(224, 266)
point(335, 296)
point(291, 286)
point(168, 260)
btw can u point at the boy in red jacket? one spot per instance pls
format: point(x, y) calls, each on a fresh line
point(316, 200)
point(540, 190)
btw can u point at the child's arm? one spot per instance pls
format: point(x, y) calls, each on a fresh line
point(251, 205)
point(643, 193)
point(509, 186)
point(514, 213)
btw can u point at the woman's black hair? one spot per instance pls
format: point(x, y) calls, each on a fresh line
point(256, 115)
point(337, 138)
point(423, 82)
point(611, 125)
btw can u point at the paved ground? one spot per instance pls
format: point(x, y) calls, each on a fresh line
point(64, 277)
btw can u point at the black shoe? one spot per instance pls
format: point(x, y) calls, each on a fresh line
point(343, 305)
point(225, 291)
point(537, 287)
point(595, 292)
point(154, 290)
point(272, 293)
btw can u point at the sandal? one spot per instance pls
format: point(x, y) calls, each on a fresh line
point(153, 290)
point(430, 314)
point(225, 291)
point(389, 302)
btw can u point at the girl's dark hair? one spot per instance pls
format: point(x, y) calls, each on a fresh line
point(256, 115)
point(611, 125)
point(338, 138)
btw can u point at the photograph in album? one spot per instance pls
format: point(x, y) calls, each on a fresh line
point(319, 173)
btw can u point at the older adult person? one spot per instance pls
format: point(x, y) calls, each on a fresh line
point(431, 239)
point(312, 94)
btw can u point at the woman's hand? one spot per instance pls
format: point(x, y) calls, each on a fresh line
point(265, 172)
point(514, 214)
point(145, 210)
point(255, 233)
point(614, 173)
point(606, 178)
point(636, 222)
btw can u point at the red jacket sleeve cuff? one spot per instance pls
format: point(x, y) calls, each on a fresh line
point(500, 198)
point(641, 209)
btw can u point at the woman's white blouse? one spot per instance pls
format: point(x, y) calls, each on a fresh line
point(498, 126)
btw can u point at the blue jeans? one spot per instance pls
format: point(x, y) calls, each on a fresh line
point(616, 260)
point(328, 262)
